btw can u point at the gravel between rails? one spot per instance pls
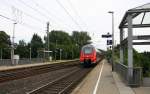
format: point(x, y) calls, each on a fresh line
point(62, 85)
point(13, 74)
point(21, 86)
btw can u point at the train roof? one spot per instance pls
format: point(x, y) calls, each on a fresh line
point(88, 45)
point(92, 46)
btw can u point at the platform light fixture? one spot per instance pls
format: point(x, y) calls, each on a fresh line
point(112, 13)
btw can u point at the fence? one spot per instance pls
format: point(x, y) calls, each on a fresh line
point(8, 62)
point(123, 70)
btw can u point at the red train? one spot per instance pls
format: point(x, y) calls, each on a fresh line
point(89, 55)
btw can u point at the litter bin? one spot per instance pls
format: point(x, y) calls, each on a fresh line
point(16, 59)
point(50, 58)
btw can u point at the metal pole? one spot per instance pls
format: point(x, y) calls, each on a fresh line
point(30, 54)
point(60, 53)
point(12, 50)
point(55, 49)
point(48, 38)
point(121, 46)
point(44, 54)
point(38, 54)
point(130, 48)
point(1, 54)
point(72, 53)
point(113, 40)
point(111, 12)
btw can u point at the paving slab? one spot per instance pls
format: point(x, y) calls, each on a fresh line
point(98, 81)
point(107, 83)
point(123, 88)
point(142, 90)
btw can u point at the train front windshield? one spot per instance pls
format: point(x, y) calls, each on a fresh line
point(88, 50)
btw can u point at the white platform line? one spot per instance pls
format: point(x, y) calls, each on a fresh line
point(98, 81)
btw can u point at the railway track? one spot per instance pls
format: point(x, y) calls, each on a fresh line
point(64, 84)
point(15, 74)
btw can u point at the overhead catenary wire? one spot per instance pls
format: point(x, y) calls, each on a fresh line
point(68, 27)
point(25, 13)
point(77, 14)
point(31, 27)
point(7, 18)
point(36, 10)
point(35, 18)
point(47, 11)
point(21, 1)
point(39, 12)
point(68, 14)
point(21, 23)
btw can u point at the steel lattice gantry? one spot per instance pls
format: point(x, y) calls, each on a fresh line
point(138, 17)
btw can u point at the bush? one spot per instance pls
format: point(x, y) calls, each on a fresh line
point(139, 60)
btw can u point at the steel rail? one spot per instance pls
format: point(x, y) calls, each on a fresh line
point(62, 84)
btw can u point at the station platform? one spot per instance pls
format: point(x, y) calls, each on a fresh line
point(101, 80)
point(141, 90)
point(5, 68)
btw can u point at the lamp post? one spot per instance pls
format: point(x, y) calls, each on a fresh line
point(48, 38)
point(12, 50)
point(112, 13)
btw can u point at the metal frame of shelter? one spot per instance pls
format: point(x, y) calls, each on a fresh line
point(142, 15)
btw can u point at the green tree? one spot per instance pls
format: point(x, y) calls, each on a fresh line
point(70, 44)
point(139, 60)
point(22, 49)
point(5, 44)
point(4, 40)
point(81, 38)
point(145, 63)
point(36, 45)
point(60, 36)
point(59, 40)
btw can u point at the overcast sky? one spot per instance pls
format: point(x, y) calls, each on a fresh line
point(68, 15)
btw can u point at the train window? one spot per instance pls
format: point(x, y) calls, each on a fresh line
point(87, 50)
